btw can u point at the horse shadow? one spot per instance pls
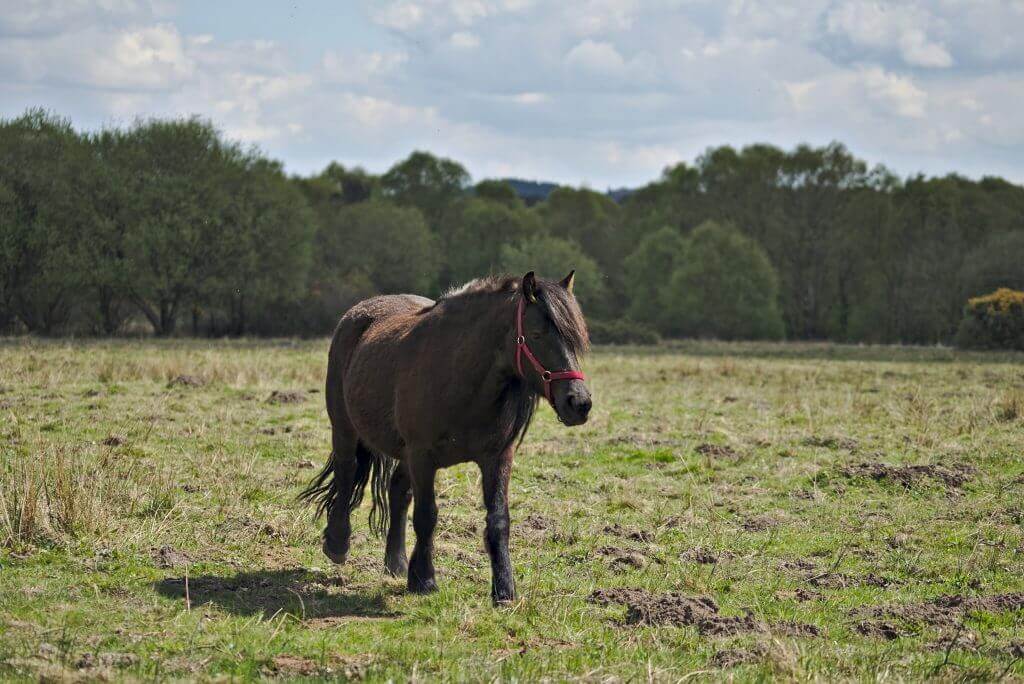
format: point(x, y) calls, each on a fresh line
point(304, 594)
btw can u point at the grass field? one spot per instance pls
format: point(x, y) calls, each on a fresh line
point(791, 511)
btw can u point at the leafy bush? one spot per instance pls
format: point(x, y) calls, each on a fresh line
point(621, 331)
point(995, 321)
point(722, 286)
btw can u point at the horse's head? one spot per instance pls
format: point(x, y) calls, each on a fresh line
point(553, 337)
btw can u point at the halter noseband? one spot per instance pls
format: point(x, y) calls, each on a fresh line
point(522, 348)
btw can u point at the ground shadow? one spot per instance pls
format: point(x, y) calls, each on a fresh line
point(306, 594)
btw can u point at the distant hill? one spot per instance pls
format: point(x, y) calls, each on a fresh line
point(533, 192)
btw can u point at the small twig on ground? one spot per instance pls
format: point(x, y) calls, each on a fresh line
point(188, 598)
point(832, 568)
point(951, 644)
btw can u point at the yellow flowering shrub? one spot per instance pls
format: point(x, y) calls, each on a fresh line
point(994, 321)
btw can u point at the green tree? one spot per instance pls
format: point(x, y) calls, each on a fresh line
point(391, 247)
point(46, 216)
point(554, 257)
point(996, 263)
point(268, 261)
point(498, 191)
point(723, 286)
point(475, 233)
point(648, 270)
point(426, 182)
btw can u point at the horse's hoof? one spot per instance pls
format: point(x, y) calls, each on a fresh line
point(504, 598)
point(422, 587)
point(337, 557)
point(396, 568)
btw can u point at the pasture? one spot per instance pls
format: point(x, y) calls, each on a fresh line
point(756, 510)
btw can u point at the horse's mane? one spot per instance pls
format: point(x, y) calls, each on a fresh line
point(558, 304)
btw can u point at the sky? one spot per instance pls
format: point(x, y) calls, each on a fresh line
point(603, 93)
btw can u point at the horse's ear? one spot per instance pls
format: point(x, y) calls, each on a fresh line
point(568, 280)
point(530, 287)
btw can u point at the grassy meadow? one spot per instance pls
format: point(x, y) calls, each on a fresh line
point(755, 511)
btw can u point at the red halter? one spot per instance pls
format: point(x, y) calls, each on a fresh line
point(522, 348)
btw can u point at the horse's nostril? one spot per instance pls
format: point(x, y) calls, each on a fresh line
point(580, 405)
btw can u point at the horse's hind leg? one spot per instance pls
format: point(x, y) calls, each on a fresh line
point(399, 497)
point(350, 472)
point(424, 519)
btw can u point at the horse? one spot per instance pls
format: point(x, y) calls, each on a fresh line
point(415, 385)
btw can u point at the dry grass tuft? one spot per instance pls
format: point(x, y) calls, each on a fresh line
point(55, 496)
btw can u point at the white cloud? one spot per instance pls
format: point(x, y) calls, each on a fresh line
point(360, 67)
point(597, 57)
point(888, 26)
point(897, 92)
point(401, 16)
point(613, 89)
point(464, 40)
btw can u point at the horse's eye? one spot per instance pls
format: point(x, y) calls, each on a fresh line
point(535, 335)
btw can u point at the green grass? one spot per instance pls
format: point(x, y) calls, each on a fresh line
point(115, 484)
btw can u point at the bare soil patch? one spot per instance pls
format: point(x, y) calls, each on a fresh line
point(706, 556)
point(629, 533)
point(286, 397)
point(167, 557)
point(623, 559)
point(840, 580)
point(717, 451)
point(911, 476)
point(732, 657)
point(678, 609)
point(831, 442)
point(944, 612)
point(291, 666)
point(186, 381)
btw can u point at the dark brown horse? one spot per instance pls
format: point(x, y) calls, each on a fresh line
point(415, 385)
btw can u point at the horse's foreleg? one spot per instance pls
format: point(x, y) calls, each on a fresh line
point(496, 471)
point(424, 518)
point(399, 497)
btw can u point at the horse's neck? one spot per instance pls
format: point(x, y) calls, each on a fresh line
point(488, 320)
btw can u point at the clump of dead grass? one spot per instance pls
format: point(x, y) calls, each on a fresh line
point(1010, 407)
point(58, 494)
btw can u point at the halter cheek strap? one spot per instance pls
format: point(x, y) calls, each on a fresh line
point(522, 349)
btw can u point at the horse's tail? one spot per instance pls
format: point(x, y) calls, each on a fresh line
point(323, 490)
point(382, 469)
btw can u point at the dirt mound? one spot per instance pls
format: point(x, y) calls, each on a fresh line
point(731, 657)
point(113, 441)
point(910, 476)
point(622, 559)
point(537, 522)
point(840, 580)
point(186, 381)
point(800, 594)
point(944, 612)
point(716, 451)
point(678, 609)
point(706, 556)
point(286, 397)
point(291, 666)
point(167, 557)
point(831, 442)
point(760, 523)
point(629, 533)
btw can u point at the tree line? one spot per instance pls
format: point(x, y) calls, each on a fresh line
point(167, 225)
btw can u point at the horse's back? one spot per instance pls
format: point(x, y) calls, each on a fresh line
point(363, 355)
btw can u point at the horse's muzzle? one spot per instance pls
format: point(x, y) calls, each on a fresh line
point(575, 407)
